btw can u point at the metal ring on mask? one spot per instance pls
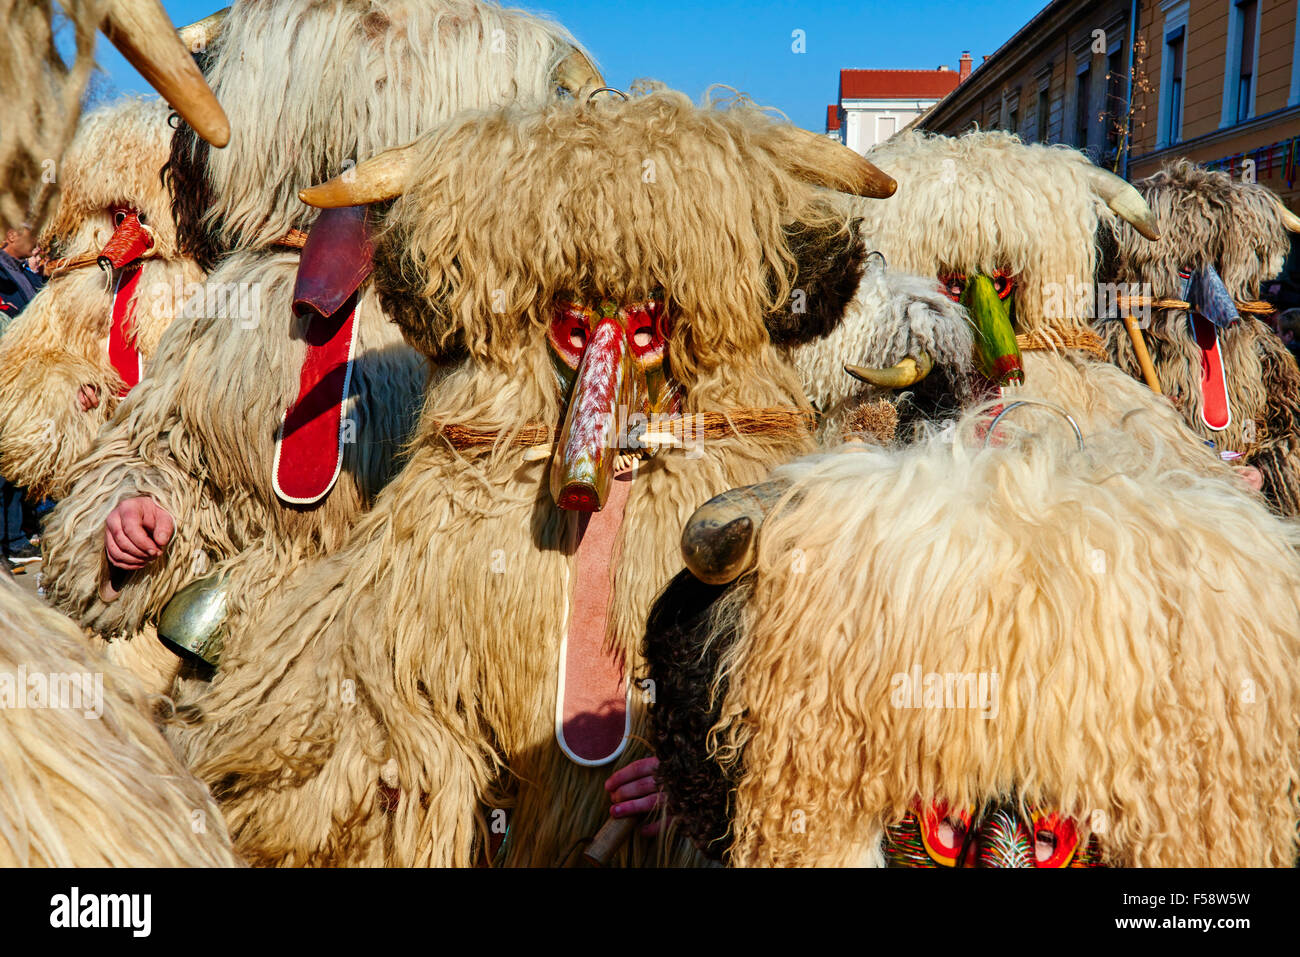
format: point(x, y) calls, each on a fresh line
point(1078, 433)
point(876, 252)
point(605, 89)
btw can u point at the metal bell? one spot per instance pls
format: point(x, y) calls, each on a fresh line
point(194, 620)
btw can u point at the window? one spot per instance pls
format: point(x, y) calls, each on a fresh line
point(1082, 108)
point(1247, 14)
point(1173, 131)
point(1013, 120)
point(886, 126)
point(1044, 111)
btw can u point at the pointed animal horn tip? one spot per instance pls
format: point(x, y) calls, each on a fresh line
point(906, 373)
point(143, 33)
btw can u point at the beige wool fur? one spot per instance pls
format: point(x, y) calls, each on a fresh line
point(64, 772)
point(1141, 617)
point(308, 88)
point(60, 342)
point(986, 201)
point(423, 654)
point(1207, 218)
point(42, 101)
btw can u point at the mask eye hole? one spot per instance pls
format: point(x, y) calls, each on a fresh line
point(1004, 283)
point(119, 217)
point(143, 219)
point(954, 284)
point(1044, 844)
point(569, 331)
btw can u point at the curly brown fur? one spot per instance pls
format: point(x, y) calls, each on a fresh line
point(828, 271)
point(682, 655)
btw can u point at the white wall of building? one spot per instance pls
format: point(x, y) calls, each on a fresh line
point(869, 122)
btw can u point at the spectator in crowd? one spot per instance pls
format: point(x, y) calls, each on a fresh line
point(18, 285)
point(18, 281)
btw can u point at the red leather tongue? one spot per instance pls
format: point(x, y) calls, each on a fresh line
point(591, 720)
point(309, 445)
point(124, 356)
point(1215, 411)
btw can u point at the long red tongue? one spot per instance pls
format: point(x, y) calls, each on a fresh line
point(1215, 410)
point(591, 715)
point(124, 357)
point(334, 263)
point(128, 243)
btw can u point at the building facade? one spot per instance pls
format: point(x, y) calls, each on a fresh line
point(1138, 83)
point(873, 105)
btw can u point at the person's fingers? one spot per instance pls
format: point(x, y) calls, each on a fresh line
point(162, 525)
point(634, 789)
point(653, 828)
point(119, 558)
point(642, 805)
point(118, 537)
point(637, 769)
point(133, 528)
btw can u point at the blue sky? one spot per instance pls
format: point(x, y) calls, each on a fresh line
point(747, 45)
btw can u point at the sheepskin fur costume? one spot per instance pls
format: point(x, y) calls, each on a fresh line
point(310, 89)
point(893, 315)
point(42, 101)
point(86, 777)
point(60, 342)
point(1209, 219)
point(445, 612)
point(1140, 618)
point(986, 202)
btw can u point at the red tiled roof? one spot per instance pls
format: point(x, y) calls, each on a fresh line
point(897, 84)
point(832, 118)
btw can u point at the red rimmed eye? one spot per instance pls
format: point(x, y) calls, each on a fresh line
point(1004, 283)
point(1055, 839)
point(570, 328)
point(647, 328)
point(119, 217)
point(954, 284)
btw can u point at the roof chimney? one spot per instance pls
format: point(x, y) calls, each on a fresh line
point(965, 62)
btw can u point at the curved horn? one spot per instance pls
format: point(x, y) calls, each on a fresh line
point(377, 179)
point(1126, 202)
point(197, 35)
point(719, 540)
point(906, 373)
point(576, 73)
point(144, 35)
point(1289, 219)
point(824, 162)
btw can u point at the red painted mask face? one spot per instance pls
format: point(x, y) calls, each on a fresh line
point(610, 360)
point(940, 837)
point(132, 239)
point(954, 284)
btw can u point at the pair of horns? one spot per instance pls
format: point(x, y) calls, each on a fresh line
point(143, 34)
point(815, 159)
